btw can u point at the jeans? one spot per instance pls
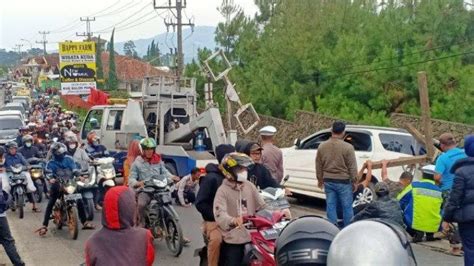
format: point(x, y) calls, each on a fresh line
point(339, 194)
point(466, 230)
point(143, 199)
point(8, 243)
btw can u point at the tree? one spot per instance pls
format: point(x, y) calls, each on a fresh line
point(129, 49)
point(112, 81)
point(153, 55)
point(98, 62)
point(227, 32)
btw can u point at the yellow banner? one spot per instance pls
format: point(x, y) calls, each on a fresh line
point(77, 48)
point(77, 67)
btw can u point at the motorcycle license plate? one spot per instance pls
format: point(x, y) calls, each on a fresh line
point(76, 196)
point(270, 234)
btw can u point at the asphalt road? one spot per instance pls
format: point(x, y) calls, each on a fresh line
point(57, 249)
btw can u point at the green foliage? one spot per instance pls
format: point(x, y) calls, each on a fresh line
point(112, 81)
point(357, 60)
point(99, 67)
point(129, 49)
point(153, 54)
point(120, 94)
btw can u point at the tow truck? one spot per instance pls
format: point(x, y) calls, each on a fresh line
point(167, 112)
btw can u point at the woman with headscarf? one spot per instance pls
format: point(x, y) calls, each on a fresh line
point(132, 154)
point(460, 205)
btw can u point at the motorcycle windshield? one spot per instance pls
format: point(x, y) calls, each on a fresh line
point(64, 174)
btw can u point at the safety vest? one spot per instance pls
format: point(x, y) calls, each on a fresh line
point(421, 204)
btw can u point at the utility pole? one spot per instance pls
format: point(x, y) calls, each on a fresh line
point(18, 48)
point(88, 32)
point(179, 6)
point(44, 41)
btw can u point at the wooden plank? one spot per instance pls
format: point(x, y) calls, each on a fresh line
point(425, 113)
point(401, 161)
point(420, 138)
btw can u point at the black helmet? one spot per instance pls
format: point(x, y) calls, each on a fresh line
point(308, 236)
point(58, 149)
point(2, 151)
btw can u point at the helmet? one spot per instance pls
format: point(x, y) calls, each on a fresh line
point(58, 149)
point(232, 162)
point(24, 129)
point(11, 144)
point(71, 138)
point(31, 125)
point(428, 171)
point(27, 138)
point(2, 151)
point(147, 143)
point(92, 136)
point(308, 236)
point(371, 242)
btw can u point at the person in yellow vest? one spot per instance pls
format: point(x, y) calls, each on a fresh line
point(421, 206)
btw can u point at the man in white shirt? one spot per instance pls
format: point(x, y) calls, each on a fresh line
point(187, 187)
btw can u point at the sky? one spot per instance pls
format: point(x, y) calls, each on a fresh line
point(21, 20)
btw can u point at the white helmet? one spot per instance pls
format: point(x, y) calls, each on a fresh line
point(268, 131)
point(371, 242)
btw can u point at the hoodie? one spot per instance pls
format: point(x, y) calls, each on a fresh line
point(258, 174)
point(460, 205)
point(208, 186)
point(119, 243)
point(233, 200)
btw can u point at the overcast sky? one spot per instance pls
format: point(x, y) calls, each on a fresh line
point(134, 19)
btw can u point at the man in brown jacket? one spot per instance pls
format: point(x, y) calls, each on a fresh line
point(235, 198)
point(336, 167)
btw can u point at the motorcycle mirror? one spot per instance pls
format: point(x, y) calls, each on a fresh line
point(286, 178)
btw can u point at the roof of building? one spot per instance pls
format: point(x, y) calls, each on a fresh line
point(129, 68)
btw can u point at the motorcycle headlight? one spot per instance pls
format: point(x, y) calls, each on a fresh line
point(159, 183)
point(19, 181)
point(70, 189)
point(35, 173)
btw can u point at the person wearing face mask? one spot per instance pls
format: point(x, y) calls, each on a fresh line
point(79, 155)
point(94, 148)
point(28, 150)
point(235, 198)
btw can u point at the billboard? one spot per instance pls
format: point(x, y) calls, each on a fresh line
point(77, 67)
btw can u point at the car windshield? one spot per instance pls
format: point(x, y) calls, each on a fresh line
point(13, 107)
point(10, 123)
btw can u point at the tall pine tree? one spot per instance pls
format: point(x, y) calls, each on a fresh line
point(112, 81)
point(98, 61)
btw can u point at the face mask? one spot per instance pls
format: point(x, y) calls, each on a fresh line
point(28, 144)
point(72, 146)
point(95, 143)
point(242, 176)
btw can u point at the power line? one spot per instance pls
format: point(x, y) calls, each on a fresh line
point(97, 14)
point(118, 10)
point(44, 41)
point(88, 32)
point(122, 21)
point(407, 64)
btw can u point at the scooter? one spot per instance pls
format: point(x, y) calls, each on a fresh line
point(18, 184)
point(86, 185)
point(37, 175)
point(105, 175)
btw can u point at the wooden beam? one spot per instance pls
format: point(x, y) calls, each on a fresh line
point(425, 113)
point(420, 138)
point(401, 161)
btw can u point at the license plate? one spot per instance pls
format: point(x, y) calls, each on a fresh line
point(76, 196)
point(280, 225)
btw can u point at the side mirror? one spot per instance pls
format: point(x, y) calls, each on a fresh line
point(297, 142)
point(286, 178)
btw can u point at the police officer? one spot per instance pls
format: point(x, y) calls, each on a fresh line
point(272, 156)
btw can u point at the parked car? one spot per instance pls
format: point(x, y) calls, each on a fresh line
point(25, 100)
point(370, 143)
point(13, 113)
point(15, 106)
point(9, 126)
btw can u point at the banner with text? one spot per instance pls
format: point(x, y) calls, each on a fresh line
point(77, 67)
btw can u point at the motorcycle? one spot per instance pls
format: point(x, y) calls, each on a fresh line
point(65, 209)
point(86, 185)
point(18, 184)
point(37, 175)
point(160, 216)
point(265, 226)
point(105, 175)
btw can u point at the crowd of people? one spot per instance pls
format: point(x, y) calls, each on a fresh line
point(442, 200)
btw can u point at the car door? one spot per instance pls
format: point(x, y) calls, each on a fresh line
point(299, 163)
point(113, 124)
point(362, 141)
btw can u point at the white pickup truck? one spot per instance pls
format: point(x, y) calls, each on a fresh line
point(370, 143)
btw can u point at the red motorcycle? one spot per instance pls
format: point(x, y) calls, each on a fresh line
point(264, 229)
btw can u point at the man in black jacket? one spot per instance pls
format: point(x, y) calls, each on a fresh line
point(258, 174)
point(460, 205)
point(208, 186)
